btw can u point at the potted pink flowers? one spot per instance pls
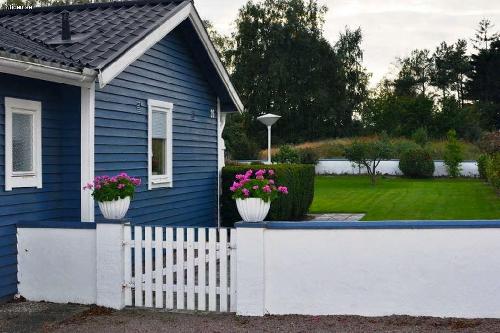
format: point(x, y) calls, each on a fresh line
point(254, 192)
point(113, 194)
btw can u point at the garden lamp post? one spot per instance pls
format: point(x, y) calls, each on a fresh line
point(268, 120)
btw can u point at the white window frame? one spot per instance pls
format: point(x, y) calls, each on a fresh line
point(160, 181)
point(23, 179)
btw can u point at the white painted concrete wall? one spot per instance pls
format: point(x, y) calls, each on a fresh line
point(421, 272)
point(57, 265)
point(389, 167)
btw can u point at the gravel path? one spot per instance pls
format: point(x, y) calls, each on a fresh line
point(47, 317)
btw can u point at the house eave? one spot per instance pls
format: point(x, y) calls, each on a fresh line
point(38, 70)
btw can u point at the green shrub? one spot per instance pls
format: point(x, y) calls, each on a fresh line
point(298, 178)
point(420, 136)
point(287, 155)
point(417, 163)
point(453, 155)
point(482, 161)
point(308, 156)
point(493, 170)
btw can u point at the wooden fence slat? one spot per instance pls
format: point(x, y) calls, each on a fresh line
point(212, 269)
point(190, 269)
point(223, 269)
point(148, 267)
point(169, 260)
point(180, 268)
point(232, 276)
point(159, 267)
point(127, 237)
point(202, 266)
point(138, 265)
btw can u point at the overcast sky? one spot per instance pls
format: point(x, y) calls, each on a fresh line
point(391, 28)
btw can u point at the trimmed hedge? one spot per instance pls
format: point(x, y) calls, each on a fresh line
point(417, 163)
point(299, 179)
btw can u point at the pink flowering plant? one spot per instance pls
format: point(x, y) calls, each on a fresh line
point(258, 184)
point(106, 188)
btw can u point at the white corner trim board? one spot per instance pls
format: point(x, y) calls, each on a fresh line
point(24, 178)
point(87, 151)
point(186, 11)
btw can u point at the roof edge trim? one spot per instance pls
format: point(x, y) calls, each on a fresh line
point(47, 73)
point(117, 66)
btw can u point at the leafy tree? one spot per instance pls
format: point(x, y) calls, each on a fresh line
point(284, 65)
point(348, 49)
point(369, 154)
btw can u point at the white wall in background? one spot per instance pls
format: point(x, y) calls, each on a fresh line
point(389, 167)
point(57, 265)
point(420, 272)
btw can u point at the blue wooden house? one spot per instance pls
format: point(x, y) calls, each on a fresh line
point(105, 88)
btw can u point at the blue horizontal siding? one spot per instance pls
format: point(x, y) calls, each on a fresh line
point(59, 199)
point(167, 72)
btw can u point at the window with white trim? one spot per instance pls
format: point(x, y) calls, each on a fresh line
point(23, 143)
point(159, 144)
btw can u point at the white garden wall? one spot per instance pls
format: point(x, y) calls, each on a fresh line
point(57, 265)
point(317, 270)
point(388, 167)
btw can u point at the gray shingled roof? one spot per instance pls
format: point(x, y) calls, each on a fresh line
point(109, 28)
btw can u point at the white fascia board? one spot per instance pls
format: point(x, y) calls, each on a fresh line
point(187, 11)
point(134, 53)
point(47, 73)
point(214, 57)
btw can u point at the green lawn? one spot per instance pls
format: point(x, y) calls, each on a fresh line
point(406, 199)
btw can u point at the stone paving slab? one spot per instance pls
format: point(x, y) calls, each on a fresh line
point(336, 217)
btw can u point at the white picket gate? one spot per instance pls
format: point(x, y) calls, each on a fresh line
point(180, 268)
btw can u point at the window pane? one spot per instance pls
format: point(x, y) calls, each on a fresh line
point(159, 125)
point(22, 142)
point(158, 163)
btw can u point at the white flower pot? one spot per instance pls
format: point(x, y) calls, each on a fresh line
point(116, 209)
point(253, 209)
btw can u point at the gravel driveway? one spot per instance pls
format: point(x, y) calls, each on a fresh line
point(48, 317)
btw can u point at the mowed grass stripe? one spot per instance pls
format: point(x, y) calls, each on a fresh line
point(406, 199)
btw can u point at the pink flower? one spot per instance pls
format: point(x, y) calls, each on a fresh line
point(260, 177)
point(248, 173)
point(255, 187)
point(240, 176)
point(260, 172)
point(98, 187)
point(271, 181)
point(246, 192)
point(266, 189)
point(120, 186)
point(283, 189)
point(270, 172)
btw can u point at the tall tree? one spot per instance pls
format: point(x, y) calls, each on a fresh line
point(484, 37)
point(284, 65)
point(350, 54)
point(415, 74)
point(484, 84)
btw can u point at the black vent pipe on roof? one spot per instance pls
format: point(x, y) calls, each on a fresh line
point(65, 28)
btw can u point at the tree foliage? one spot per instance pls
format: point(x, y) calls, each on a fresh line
point(369, 154)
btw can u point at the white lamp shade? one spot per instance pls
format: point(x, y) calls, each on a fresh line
point(268, 119)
